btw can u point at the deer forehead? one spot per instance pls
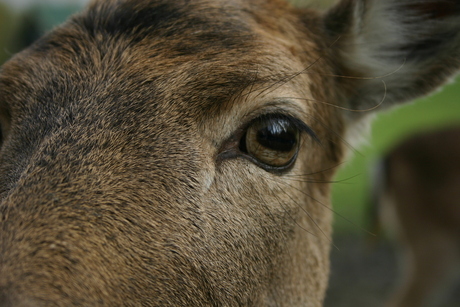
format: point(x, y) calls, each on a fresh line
point(160, 60)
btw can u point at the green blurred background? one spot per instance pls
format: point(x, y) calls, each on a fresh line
point(21, 24)
point(23, 21)
point(351, 192)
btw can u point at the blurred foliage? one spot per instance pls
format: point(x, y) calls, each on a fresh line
point(9, 24)
point(19, 29)
point(351, 193)
point(322, 4)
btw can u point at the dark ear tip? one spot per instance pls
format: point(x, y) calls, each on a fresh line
point(435, 9)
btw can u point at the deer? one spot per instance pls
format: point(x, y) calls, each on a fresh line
point(180, 153)
point(418, 199)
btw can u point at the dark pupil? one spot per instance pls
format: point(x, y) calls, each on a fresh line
point(279, 136)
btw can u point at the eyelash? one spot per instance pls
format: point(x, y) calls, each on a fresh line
point(271, 141)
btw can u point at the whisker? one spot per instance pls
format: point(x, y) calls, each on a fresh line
point(336, 134)
point(366, 78)
point(251, 88)
point(293, 219)
point(316, 172)
point(342, 181)
point(329, 208)
point(292, 76)
point(344, 108)
point(275, 222)
point(311, 218)
point(286, 78)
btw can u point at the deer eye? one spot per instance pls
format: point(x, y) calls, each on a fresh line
point(273, 141)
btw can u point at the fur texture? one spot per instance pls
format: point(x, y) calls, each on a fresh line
point(123, 173)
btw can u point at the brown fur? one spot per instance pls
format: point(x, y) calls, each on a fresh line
point(123, 181)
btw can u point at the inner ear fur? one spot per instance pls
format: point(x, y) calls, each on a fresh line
point(391, 51)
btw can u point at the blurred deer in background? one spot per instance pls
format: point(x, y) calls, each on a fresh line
point(419, 200)
point(179, 153)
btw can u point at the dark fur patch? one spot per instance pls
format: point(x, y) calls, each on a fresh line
point(126, 19)
point(424, 48)
point(166, 19)
point(436, 9)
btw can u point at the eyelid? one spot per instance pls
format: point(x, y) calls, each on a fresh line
point(303, 127)
point(227, 149)
point(277, 114)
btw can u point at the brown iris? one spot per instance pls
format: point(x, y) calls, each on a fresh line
point(273, 141)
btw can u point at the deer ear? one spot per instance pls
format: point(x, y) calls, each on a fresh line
point(393, 50)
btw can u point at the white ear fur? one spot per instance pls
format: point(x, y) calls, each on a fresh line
point(394, 50)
